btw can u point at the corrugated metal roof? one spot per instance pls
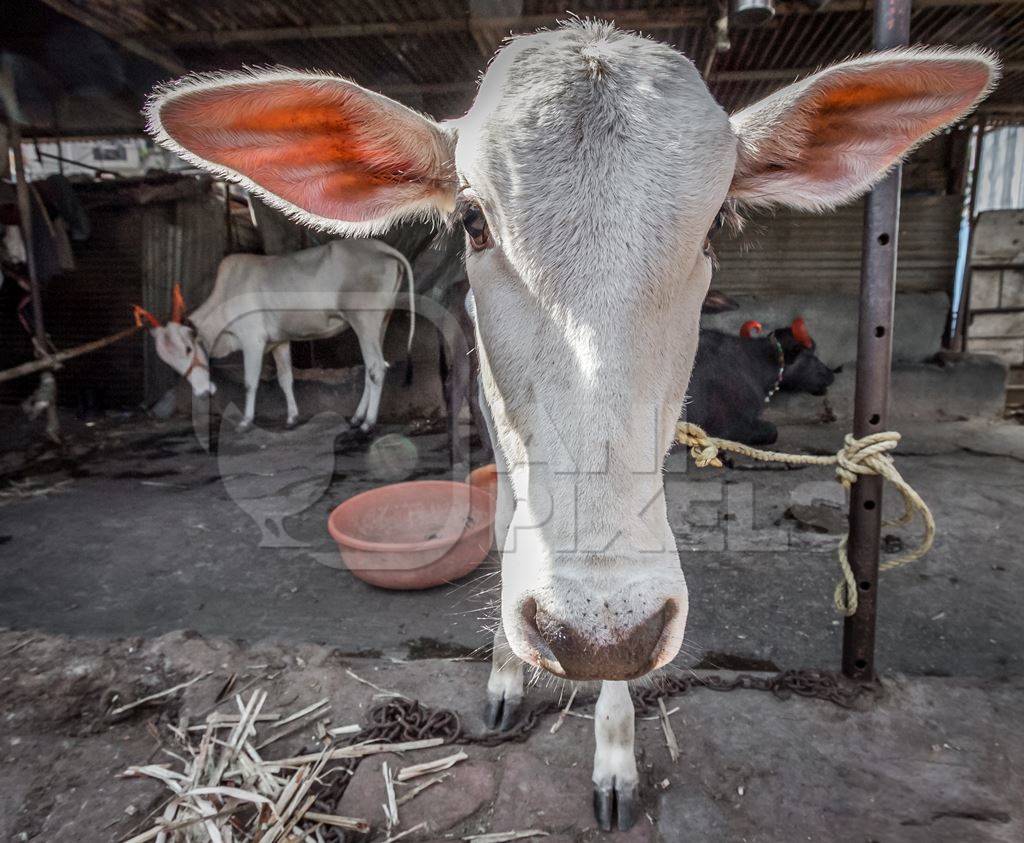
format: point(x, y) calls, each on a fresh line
point(429, 53)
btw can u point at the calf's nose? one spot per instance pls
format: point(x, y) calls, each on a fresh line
point(564, 650)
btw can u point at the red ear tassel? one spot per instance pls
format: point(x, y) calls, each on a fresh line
point(177, 304)
point(750, 329)
point(800, 332)
point(142, 316)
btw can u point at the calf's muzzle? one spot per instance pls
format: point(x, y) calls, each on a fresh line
point(629, 653)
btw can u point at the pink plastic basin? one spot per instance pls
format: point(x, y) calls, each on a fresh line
point(413, 535)
point(486, 478)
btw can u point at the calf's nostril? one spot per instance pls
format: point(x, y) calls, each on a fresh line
point(536, 639)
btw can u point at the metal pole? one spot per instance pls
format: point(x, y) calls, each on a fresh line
point(874, 359)
point(25, 212)
point(958, 336)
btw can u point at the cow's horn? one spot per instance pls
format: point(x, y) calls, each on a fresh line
point(753, 328)
point(177, 304)
point(800, 332)
point(142, 315)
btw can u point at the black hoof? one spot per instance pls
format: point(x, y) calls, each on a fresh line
point(615, 806)
point(502, 714)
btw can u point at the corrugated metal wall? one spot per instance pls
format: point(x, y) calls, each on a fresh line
point(793, 252)
point(182, 242)
point(144, 238)
point(1001, 172)
point(86, 304)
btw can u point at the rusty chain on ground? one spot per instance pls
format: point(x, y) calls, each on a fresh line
point(402, 719)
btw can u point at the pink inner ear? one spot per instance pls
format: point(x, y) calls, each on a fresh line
point(824, 141)
point(321, 145)
point(883, 111)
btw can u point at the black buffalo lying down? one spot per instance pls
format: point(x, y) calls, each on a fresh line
point(735, 376)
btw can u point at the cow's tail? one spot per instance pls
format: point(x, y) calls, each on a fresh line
point(407, 269)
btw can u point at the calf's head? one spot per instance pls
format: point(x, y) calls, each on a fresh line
point(587, 174)
point(177, 345)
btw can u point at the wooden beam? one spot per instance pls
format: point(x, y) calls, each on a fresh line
point(54, 360)
point(648, 20)
point(133, 45)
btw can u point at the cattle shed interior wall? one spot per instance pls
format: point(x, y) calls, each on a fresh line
point(150, 234)
point(145, 236)
point(794, 252)
point(86, 304)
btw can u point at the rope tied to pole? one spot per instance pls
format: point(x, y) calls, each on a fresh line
point(858, 457)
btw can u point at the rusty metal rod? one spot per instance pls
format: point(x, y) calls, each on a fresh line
point(874, 360)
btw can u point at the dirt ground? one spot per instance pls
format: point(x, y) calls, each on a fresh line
point(143, 554)
point(928, 760)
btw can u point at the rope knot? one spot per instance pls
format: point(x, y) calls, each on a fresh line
point(868, 455)
point(702, 447)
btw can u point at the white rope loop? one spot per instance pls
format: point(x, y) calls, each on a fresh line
point(857, 457)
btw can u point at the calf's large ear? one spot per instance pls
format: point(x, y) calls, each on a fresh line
point(827, 139)
point(320, 148)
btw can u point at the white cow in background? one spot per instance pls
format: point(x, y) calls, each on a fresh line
point(587, 174)
point(263, 303)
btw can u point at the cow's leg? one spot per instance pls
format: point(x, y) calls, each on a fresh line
point(252, 360)
point(615, 775)
point(457, 393)
point(458, 381)
point(286, 379)
point(360, 414)
point(476, 404)
point(369, 326)
point(505, 685)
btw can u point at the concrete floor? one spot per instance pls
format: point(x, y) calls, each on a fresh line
point(155, 534)
point(137, 530)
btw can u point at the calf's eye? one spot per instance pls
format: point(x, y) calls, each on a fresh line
point(716, 226)
point(475, 223)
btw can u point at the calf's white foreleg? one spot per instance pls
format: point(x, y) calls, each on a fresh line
point(286, 379)
point(504, 686)
point(252, 363)
point(615, 776)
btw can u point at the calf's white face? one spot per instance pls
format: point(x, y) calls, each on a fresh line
point(587, 173)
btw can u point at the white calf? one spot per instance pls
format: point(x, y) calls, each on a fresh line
point(587, 174)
